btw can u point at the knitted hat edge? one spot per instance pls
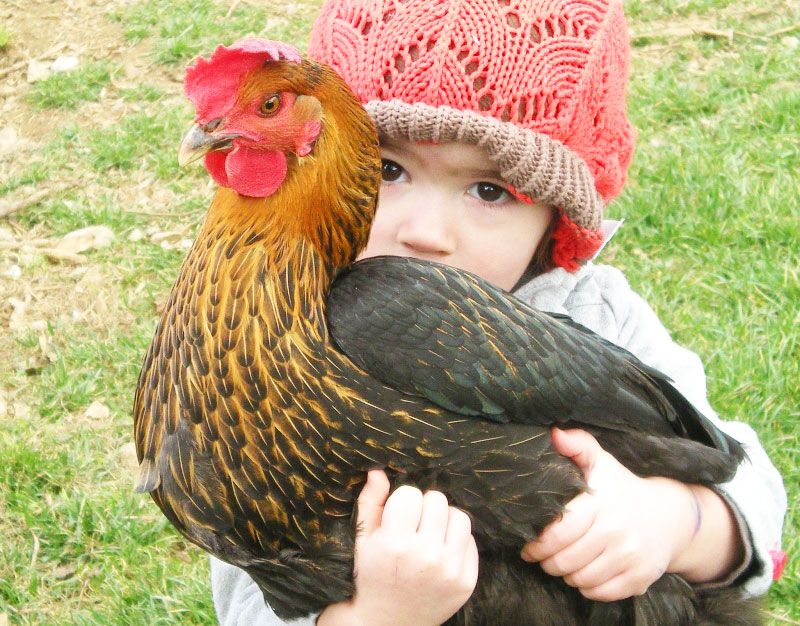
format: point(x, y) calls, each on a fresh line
point(535, 164)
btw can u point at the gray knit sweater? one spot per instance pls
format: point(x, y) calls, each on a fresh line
point(600, 298)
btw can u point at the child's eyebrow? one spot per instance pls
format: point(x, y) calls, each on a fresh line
point(388, 142)
point(481, 173)
point(476, 173)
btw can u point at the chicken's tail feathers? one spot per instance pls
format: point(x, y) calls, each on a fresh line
point(149, 479)
point(682, 459)
point(662, 395)
point(727, 607)
point(697, 426)
point(671, 600)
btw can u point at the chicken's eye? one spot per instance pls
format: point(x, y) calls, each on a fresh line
point(270, 106)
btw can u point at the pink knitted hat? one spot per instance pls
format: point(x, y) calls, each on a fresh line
point(540, 84)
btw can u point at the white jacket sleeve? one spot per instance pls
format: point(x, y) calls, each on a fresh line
point(600, 298)
point(238, 600)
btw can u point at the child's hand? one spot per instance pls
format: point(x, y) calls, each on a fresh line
point(615, 540)
point(416, 562)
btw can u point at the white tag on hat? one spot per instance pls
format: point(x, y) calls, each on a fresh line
point(609, 228)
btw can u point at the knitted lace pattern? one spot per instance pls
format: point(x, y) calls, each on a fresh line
point(539, 83)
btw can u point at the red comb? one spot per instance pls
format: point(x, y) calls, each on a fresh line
point(211, 84)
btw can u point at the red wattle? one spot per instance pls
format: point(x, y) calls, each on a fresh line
point(215, 164)
point(254, 173)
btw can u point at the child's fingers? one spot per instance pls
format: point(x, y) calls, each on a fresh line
point(458, 529)
point(433, 523)
point(598, 572)
point(584, 553)
point(579, 446)
point(619, 588)
point(460, 555)
point(578, 518)
point(402, 511)
point(469, 570)
point(371, 501)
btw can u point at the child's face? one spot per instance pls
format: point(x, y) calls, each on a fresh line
point(447, 203)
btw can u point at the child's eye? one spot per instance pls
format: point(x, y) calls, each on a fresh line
point(489, 192)
point(391, 171)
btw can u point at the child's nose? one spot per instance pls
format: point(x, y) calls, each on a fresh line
point(428, 229)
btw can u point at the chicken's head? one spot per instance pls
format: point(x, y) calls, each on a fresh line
point(249, 115)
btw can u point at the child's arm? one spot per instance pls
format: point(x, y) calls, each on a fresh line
point(417, 560)
point(622, 535)
point(600, 298)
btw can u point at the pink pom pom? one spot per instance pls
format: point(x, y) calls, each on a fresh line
point(778, 563)
point(573, 244)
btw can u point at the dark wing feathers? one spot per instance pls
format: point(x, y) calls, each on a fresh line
point(451, 337)
point(665, 396)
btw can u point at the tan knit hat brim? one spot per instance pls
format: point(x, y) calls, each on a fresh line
point(535, 164)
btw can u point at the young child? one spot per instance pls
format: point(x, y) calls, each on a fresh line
point(504, 135)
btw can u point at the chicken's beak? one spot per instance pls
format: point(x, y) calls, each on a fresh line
point(198, 142)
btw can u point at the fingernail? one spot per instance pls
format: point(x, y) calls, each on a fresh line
point(525, 556)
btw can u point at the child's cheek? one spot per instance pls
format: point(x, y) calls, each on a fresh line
point(379, 236)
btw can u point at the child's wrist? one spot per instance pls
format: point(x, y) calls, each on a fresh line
point(681, 514)
point(714, 547)
point(692, 516)
point(350, 613)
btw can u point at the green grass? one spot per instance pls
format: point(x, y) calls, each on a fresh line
point(710, 241)
point(130, 144)
point(147, 93)
point(182, 29)
point(712, 215)
point(5, 37)
point(68, 90)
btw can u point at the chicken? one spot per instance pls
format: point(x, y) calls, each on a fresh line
point(281, 371)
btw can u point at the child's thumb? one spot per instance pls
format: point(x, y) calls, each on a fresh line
point(577, 445)
point(371, 500)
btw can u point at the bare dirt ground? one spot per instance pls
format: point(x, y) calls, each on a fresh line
point(45, 29)
point(68, 289)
